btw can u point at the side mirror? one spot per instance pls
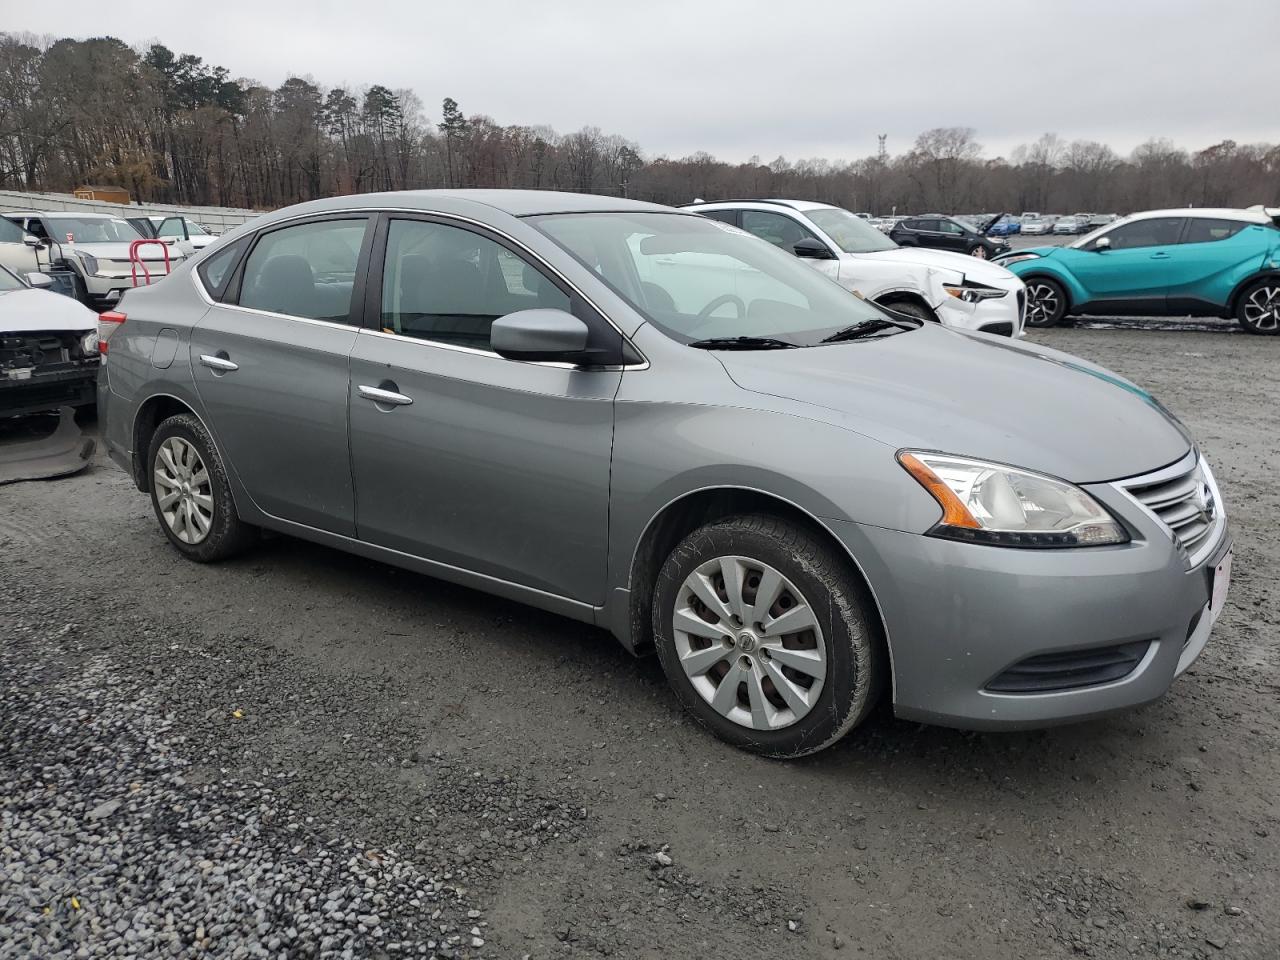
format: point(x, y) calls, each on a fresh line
point(40, 281)
point(540, 334)
point(30, 240)
point(1101, 244)
point(811, 249)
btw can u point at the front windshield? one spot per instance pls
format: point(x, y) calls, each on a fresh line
point(8, 281)
point(700, 279)
point(851, 234)
point(92, 230)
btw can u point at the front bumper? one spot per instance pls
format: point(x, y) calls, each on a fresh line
point(959, 616)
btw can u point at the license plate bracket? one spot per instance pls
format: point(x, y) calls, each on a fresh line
point(1221, 584)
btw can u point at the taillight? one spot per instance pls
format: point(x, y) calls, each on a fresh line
point(108, 323)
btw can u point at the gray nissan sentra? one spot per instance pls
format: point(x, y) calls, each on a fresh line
point(651, 421)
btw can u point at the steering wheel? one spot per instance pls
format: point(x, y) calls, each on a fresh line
point(720, 301)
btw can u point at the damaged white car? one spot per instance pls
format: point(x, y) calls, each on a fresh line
point(48, 348)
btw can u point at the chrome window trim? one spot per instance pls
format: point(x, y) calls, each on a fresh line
point(643, 365)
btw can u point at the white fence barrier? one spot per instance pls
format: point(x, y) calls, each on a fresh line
point(215, 219)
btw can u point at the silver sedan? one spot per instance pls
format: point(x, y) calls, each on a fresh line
point(654, 422)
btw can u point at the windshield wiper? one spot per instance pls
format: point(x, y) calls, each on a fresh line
point(868, 328)
point(743, 343)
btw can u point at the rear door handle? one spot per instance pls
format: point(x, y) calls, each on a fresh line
point(390, 397)
point(221, 364)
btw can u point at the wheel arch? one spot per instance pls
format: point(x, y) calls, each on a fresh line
point(696, 508)
point(905, 295)
point(1233, 301)
point(152, 412)
point(1074, 296)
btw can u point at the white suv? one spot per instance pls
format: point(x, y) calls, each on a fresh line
point(95, 248)
point(937, 285)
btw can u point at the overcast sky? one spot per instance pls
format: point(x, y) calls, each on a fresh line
point(770, 77)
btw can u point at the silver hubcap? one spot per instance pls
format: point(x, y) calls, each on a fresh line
point(1042, 303)
point(1262, 309)
point(183, 490)
point(749, 643)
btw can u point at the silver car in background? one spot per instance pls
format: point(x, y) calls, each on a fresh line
point(650, 421)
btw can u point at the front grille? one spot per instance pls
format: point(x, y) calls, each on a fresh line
point(998, 329)
point(1071, 670)
point(1184, 499)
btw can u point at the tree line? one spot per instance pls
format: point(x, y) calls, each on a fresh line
point(171, 128)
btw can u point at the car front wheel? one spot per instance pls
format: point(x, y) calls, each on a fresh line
point(979, 251)
point(1259, 308)
point(766, 636)
point(190, 492)
point(1046, 302)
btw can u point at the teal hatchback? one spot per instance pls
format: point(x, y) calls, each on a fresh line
point(1201, 262)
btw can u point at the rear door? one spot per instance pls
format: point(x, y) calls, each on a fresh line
point(1213, 255)
point(1138, 268)
point(271, 367)
point(495, 466)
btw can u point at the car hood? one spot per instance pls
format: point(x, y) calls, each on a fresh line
point(978, 396)
point(979, 271)
point(23, 311)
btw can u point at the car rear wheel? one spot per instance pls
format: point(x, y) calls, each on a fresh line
point(1046, 302)
point(190, 492)
point(766, 636)
point(979, 251)
point(1259, 308)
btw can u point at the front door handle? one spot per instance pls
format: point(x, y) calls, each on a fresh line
point(1160, 256)
point(220, 364)
point(379, 395)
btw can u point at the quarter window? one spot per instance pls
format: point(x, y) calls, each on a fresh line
point(215, 269)
point(448, 284)
point(1209, 229)
point(778, 229)
point(305, 271)
point(1152, 232)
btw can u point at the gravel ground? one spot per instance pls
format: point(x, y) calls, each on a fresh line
point(302, 753)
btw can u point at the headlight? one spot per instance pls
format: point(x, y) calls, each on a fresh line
point(973, 292)
point(89, 262)
point(89, 343)
point(996, 504)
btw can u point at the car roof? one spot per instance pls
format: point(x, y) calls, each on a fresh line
point(800, 205)
point(517, 203)
point(1218, 213)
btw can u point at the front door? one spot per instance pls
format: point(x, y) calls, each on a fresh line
point(1136, 270)
point(271, 368)
point(495, 466)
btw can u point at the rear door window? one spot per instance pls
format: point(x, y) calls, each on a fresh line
point(306, 270)
point(1211, 229)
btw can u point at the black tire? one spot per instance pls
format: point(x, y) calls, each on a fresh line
point(979, 251)
point(855, 656)
point(1046, 302)
point(1258, 307)
point(227, 534)
point(912, 309)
